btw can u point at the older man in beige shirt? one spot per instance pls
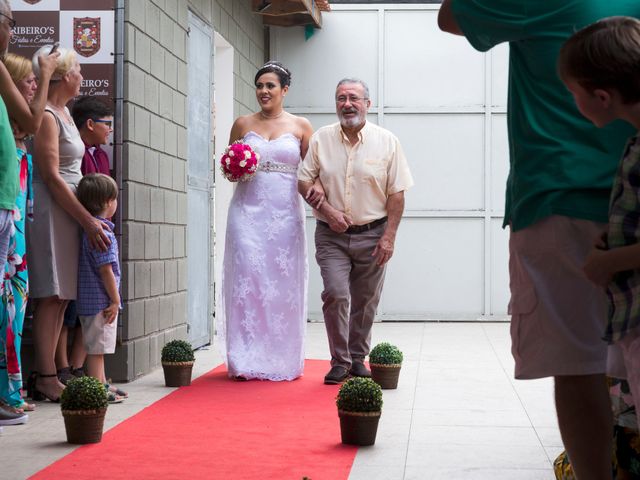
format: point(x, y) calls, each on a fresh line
point(364, 174)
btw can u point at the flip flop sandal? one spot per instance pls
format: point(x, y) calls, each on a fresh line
point(117, 391)
point(113, 398)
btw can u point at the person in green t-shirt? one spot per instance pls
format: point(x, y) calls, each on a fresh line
point(561, 173)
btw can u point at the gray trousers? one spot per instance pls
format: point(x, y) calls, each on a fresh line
point(352, 287)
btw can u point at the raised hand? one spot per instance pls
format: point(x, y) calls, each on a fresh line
point(48, 64)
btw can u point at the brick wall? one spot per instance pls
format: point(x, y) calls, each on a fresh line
point(154, 164)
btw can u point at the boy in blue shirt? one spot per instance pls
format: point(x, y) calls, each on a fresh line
point(98, 300)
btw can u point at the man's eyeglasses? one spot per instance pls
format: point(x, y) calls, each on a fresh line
point(351, 98)
point(12, 23)
point(108, 123)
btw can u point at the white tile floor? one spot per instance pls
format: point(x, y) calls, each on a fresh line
point(457, 412)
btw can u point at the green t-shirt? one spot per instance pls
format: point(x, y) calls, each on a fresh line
point(9, 175)
point(561, 164)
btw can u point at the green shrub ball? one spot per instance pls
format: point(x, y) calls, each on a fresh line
point(359, 394)
point(177, 351)
point(385, 354)
point(84, 393)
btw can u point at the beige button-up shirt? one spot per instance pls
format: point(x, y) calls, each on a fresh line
point(357, 179)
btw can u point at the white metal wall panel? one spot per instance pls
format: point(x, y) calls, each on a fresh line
point(446, 103)
point(437, 267)
point(315, 281)
point(499, 267)
point(446, 158)
point(423, 67)
point(499, 75)
point(346, 43)
point(499, 162)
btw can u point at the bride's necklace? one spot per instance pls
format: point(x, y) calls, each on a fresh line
point(271, 117)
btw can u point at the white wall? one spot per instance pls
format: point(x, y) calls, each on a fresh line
point(446, 103)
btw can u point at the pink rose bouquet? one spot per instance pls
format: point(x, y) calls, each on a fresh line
point(239, 162)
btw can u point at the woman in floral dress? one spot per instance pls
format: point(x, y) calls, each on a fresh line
point(15, 285)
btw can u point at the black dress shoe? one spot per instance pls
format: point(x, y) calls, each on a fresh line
point(359, 370)
point(336, 375)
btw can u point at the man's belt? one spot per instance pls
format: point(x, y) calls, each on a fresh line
point(359, 228)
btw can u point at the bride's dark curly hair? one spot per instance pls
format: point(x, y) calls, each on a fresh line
point(283, 73)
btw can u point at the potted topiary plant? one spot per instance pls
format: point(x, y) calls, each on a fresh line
point(359, 404)
point(84, 405)
point(177, 363)
point(385, 361)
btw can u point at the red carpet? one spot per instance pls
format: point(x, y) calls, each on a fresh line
point(221, 429)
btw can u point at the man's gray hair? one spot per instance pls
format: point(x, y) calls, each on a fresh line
point(355, 80)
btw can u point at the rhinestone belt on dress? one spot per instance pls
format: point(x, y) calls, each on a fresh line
point(277, 167)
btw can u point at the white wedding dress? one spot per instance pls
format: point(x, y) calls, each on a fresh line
point(264, 280)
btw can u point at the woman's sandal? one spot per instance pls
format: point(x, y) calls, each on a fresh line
point(37, 395)
point(65, 374)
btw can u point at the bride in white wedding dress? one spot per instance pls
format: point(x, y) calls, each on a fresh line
point(264, 281)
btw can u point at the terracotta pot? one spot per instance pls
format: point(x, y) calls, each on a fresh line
point(359, 428)
point(177, 374)
point(84, 426)
point(385, 375)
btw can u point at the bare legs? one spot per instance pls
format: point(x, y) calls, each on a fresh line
point(95, 367)
point(47, 323)
point(61, 348)
point(78, 353)
point(586, 424)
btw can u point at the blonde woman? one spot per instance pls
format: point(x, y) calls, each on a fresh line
point(53, 238)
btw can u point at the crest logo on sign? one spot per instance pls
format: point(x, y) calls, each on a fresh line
point(86, 35)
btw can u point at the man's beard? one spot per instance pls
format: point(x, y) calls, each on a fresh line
point(351, 122)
